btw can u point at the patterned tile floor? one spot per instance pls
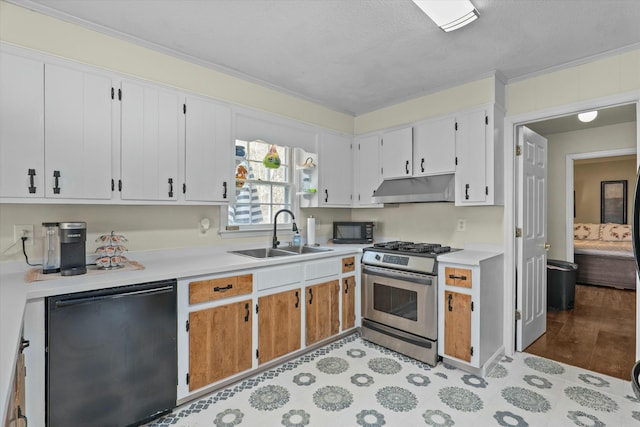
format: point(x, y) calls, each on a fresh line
point(356, 383)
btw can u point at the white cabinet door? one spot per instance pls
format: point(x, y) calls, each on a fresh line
point(149, 142)
point(21, 127)
point(471, 147)
point(77, 134)
point(434, 147)
point(334, 168)
point(367, 168)
point(208, 144)
point(397, 153)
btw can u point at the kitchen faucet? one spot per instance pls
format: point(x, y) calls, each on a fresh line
point(275, 223)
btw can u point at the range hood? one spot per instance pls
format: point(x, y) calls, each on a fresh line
point(424, 189)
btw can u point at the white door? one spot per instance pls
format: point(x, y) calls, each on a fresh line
point(149, 142)
point(21, 127)
point(208, 145)
point(397, 153)
point(77, 133)
point(532, 256)
point(434, 147)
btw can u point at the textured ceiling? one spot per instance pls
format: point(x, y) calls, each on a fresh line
point(356, 56)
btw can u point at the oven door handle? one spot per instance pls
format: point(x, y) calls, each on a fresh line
point(414, 278)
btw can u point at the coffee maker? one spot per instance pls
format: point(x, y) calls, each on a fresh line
point(64, 248)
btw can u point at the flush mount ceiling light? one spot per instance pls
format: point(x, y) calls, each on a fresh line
point(587, 116)
point(450, 14)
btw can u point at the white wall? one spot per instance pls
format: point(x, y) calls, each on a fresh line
point(560, 145)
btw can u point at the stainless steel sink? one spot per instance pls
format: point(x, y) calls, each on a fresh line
point(304, 249)
point(284, 251)
point(262, 252)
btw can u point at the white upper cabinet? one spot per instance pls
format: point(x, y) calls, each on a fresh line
point(434, 147)
point(479, 151)
point(367, 169)
point(77, 133)
point(149, 142)
point(208, 156)
point(334, 167)
point(21, 127)
point(397, 153)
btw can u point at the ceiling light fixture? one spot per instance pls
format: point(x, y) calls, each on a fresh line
point(587, 116)
point(450, 14)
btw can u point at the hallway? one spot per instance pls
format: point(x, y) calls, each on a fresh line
point(598, 334)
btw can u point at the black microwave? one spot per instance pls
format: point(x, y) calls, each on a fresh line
point(352, 232)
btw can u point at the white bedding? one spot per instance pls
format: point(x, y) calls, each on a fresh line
point(600, 247)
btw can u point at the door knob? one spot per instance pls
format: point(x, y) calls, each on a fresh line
point(547, 246)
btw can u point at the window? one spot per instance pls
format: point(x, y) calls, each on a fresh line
point(260, 191)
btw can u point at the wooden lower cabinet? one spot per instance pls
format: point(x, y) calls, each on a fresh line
point(348, 302)
point(220, 343)
point(15, 415)
point(279, 324)
point(457, 325)
point(322, 311)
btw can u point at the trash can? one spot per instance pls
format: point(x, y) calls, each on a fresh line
point(561, 284)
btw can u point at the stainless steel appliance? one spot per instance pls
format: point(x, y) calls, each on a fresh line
point(111, 355)
point(353, 232)
point(400, 297)
point(73, 236)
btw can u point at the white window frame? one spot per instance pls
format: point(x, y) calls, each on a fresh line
point(250, 230)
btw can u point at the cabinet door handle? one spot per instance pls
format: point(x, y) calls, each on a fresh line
point(449, 302)
point(56, 185)
point(310, 296)
point(170, 187)
point(246, 316)
point(466, 191)
point(226, 288)
point(346, 286)
point(297, 299)
point(224, 187)
point(326, 195)
point(422, 165)
point(32, 187)
point(453, 276)
point(406, 167)
point(24, 344)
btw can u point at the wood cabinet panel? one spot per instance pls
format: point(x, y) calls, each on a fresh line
point(348, 302)
point(461, 277)
point(348, 264)
point(219, 343)
point(224, 287)
point(322, 311)
point(278, 324)
point(457, 325)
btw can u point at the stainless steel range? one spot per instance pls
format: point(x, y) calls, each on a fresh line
point(400, 297)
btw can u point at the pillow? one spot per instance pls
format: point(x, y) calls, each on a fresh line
point(586, 231)
point(615, 232)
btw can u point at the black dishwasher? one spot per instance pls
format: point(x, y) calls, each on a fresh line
point(111, 355)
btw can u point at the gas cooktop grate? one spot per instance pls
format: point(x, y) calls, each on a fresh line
point(402, 246)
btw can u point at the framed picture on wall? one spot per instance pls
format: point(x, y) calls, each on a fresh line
point(613, 202)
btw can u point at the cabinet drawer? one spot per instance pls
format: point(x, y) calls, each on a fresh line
point(348, 264)
point(224, 287)
point(279, 276)
point(457, 277)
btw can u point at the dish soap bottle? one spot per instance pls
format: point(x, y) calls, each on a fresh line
point(297, 240)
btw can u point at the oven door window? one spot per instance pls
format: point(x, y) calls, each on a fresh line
point(395, 301)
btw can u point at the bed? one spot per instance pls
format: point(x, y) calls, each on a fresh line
point(604, 254)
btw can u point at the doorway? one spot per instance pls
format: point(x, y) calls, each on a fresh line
point(561, 232)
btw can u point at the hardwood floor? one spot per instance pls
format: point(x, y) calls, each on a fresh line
point(598, 334)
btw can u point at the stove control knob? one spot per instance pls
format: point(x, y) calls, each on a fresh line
point(378, 257)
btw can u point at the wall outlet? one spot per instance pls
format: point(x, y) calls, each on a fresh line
point(20, 230)
point(462, 224)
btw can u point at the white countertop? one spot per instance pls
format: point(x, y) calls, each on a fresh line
point(15, 291)
point(467, 256)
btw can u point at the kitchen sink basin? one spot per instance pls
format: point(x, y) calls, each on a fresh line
point(262, 252)
point(284, 251)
